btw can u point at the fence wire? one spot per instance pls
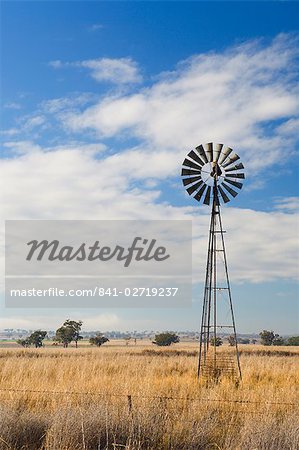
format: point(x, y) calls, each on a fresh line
point(158, 397)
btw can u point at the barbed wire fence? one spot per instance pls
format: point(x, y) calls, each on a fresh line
point(131, 399)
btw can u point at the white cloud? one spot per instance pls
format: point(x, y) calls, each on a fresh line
point(12, 105)
point(289, 127)
point(228, 97)
point(48, 114)
point(26, 125)
point(103, 322)
point(21, 147)
point(56, 64)
point(262, 246)
point(56, 105)
point(118, 71)
point(10, 132)
point(95, 27)
point(28, 147)
point(72, 183)
point(33, 122)
point(288, 204)
point(112, 70)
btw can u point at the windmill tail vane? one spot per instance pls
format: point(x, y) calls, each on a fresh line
point(212, 175)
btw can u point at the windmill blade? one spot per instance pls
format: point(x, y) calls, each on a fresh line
point(207, 196)
point(225, 153)
point(194, 188)
point(236, 175)
point(187, 181)
point(230, 190)
point(223, 194)
point(189, 163)
point(217, 151)
point(232, 159)
point(209, 151)
point(189, 172)
point(236, 167)
point(192, 155)
point(202, 153)
point(199, 194)
point(234, 183)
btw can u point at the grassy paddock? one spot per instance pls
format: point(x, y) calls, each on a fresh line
point(89, 408)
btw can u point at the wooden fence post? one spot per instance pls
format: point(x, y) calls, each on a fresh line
point(130, 404)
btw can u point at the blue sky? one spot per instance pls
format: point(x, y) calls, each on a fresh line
point(128, 88)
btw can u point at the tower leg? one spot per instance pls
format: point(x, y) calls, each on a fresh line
point(205, 320)
point(230, 299)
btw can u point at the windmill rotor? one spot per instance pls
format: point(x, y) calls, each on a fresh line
point(212, 171)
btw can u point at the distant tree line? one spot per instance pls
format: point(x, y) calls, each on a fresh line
point(267, 338)
point(70, 332)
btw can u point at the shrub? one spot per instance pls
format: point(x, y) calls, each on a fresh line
point(166, 339)
point(98, 340)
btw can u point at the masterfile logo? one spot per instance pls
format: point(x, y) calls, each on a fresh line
point(98, 263)
point(145, 251)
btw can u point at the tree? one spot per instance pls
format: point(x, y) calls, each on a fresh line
point(267, 337)
point(36, 338)
point(270, 338)
point(231, 340)
point(68, 332)
point(64, 335)
point(293, 340)
point(244, 341)
point(278, 340)
point(166, 339)
point(253, 341)
point(98, 340)
point(216, 342)
point(76, 327)
point(24, 342)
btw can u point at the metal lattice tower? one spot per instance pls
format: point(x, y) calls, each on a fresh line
point(208, 173)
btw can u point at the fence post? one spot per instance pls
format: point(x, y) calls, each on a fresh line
point(130, 404)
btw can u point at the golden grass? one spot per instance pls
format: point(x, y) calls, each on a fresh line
point(169, 410)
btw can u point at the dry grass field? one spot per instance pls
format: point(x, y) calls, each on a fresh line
point(141, 397)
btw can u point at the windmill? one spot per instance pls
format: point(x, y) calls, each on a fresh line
point(213, 174)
